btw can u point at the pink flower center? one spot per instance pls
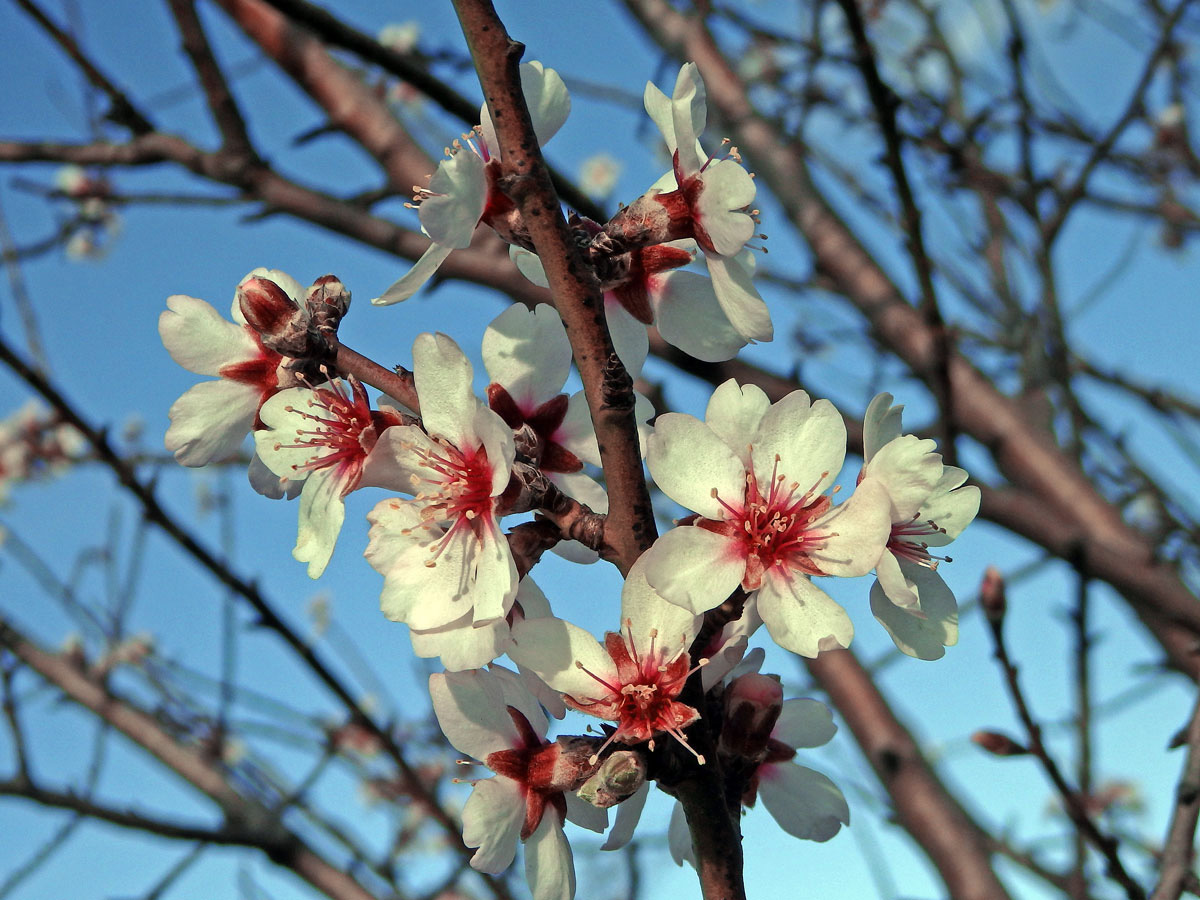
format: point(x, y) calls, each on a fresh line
point(343, 431)
point(531, 763)
point(457, 488)
point(774, 528)
point(641, 699)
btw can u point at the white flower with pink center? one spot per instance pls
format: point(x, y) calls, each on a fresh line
point(757, 474)
point(325, 437)
point(634, 678)
point(491, 716)
point(711, 201)
point(442, 554)
point(210, 421)
point(930, 507)
point(462, 193)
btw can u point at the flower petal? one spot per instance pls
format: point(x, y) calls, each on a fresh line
point(492, 820)
point(629, 813)
point(210, 421)
point(805, 803)
point(694, 567)
point(881, 424)
point(457, 196)
point(689, 316)
point(549, 868)
point(734, 413)
point(414, 279)
point(200, 339)
point(527, 352)
point(629, 336)
point(551, 647)
point(745, 309)
point(859, 530)
point(443, 377)
point(804, 723)
point(801, 617)
point(471, 711)
point(687, 459)
point(322, 512)
point(809, 441)
point(909, 468)
point(547, 98)
point(647, 612)
point(926, 634)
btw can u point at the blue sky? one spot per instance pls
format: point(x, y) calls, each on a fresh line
point(99, 323)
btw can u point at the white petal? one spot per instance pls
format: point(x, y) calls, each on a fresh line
point(953, 512)
point(745, 309)
point(629, 337)
point(679, 838)
point(284, 416)
point(909, 468)
point(443, 377)
point(551, 647)
point(488, 430)
point(210, 421)
point(414, 279)
point(629, 813)
point(648, 612)
point(734, 413)
point(517, 695)
point(492, 820)
point(805, 803)
point(690, 317)
point(583, 814)
point(548, 101)
point(688, 460)
point(881, 424)
point(899, 589)
point(658, 108)
point(689, 112)
point(810, 442)
point(458, 196)
point(527, 352)
point(528, 264)
point(804, 723)
point(859, 528)
point(576, 432)
point(495, 576)
point(923, 635)
point(460, 645)
point(549, 869)
point(321, 515)
point(727, 189)
point(471, 712)
point(695, 568)
point(801, 617)
point(200, 340)
point(268, 484)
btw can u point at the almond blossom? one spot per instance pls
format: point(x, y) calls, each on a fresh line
point(491, 716)
point(462, 193)
point(930, 508)
point(634, 678)
point(210, 421)
point(325, 437)
point(757, 473)
point(709, 203)
point(442, 553)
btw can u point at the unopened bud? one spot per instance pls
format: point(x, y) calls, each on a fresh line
point(281, 324)
point(619, 777)
point(992, 595)
point(753, 703)
point(327, 301)
point(998, 744)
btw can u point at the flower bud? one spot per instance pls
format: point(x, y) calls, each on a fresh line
point(992, 595)
point(753, 703)
point(327, 301)
point(619, 777)
point(281, 324)
point(998, 744)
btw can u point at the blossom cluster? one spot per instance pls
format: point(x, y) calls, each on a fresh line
point(767, 512)
point(35, 443)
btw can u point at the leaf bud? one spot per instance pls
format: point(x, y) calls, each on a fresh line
point(992, 595)
point(617, 779)
point(753, 703)
point(998, 744)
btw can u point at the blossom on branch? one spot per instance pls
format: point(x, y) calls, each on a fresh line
point(633, 678)
point(326, 437)
point(463, 192)
point(442, 553)
point(757, 473)
point(930, 507)
point(210, 421)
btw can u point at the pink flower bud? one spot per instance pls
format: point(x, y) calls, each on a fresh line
point(992, 595)
point(998, 744)
point(753, 703)
point(267, 308)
